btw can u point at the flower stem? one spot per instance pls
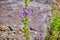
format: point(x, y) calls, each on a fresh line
point(27, 3)
point(25, 29)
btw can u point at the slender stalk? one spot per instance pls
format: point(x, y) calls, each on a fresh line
point(25, 29)
point(27, 3)
point(24, 14)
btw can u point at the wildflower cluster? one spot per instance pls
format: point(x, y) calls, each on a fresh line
point(25, 12)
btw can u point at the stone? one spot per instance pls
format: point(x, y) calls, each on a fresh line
point(37, 19)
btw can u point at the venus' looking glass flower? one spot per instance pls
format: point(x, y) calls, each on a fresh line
point(25, 12)
point(29, 10)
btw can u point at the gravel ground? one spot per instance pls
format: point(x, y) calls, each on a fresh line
point(9, 16)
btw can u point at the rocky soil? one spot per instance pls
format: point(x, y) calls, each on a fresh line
point(10, 21)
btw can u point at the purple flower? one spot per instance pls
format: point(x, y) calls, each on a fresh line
point(23, 14)
point(27, 10)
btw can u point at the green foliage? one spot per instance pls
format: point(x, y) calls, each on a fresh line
point(54, 32)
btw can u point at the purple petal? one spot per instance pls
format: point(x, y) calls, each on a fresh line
point(23, 14)
point(25, 10)
point(29, 10)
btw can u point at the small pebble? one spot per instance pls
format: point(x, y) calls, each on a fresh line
point(10, 28)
